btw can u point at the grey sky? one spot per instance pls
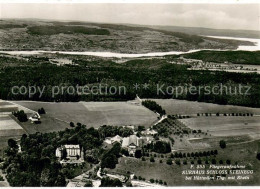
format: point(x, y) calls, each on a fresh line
point(221, 16)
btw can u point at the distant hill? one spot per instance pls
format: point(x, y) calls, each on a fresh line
point(28, 34)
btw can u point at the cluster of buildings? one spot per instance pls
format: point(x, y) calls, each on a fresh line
point(131, 143)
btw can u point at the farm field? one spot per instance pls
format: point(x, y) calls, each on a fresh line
point(7, 106)
point(243, 154)
point(9, 128)
point(59, 115)
point(226, 126)
point(174, 106)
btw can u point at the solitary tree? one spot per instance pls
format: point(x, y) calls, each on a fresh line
point(222, 144)
point(72, 124)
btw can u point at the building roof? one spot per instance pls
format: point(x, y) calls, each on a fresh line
point(71, 146)
point(125, 142)
point(117, 138)
point(131, 140)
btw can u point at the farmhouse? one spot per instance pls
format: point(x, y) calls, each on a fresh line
point(35, 117)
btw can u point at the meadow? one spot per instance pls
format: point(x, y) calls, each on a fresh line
point(184, 107)
point(93, 114)
point(226, 125)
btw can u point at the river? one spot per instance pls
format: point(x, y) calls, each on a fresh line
point(152, 54)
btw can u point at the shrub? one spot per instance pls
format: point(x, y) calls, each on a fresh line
point(41, 111)
point(21, 116)
point(88, 183)
point(222, 144)
point(228, 162)
point(106, 182)
point(169, 161)
point(138, 153)
point(178, 162)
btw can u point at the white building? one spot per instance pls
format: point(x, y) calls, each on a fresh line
point(73, 151)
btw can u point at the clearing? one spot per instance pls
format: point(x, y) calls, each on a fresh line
point(226, 125)
point(95, 114)
point(184, 107)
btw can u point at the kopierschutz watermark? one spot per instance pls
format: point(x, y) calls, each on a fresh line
point(218, 89)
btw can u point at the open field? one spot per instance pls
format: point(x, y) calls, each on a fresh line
point(7, 107)
point(226, 126)
point(58, 115)
point(174, 106)
point(9, 128)
point(244, 154)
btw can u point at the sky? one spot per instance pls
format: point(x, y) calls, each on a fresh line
point(218, 16)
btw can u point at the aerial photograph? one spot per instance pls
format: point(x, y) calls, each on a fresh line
point(129, 94)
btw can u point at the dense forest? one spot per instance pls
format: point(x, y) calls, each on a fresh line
point(153, 72)
point(52, 30)
point(235, 57)
point(37, 165)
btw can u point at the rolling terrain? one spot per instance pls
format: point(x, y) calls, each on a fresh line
point(83, 36)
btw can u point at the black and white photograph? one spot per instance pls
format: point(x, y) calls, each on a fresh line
point(127, 93)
